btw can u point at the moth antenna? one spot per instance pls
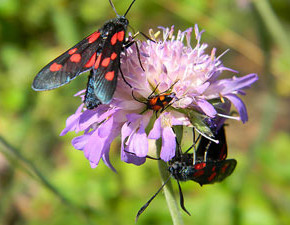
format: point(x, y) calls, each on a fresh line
point(114, 7)
point(152, 93)
point(194, 144)
point(137, 98)
point(128, 8)
point(150, 200)
point(182, 199)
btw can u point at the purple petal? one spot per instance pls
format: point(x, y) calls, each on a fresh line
point(202, 88)
point(223, 68)
point(72, 121)
point(240, 106)
point(80, 92)
point(130, 144)
point(99, 142)
point(130, 158)
point(71, 124)
point(168, 144)
point(106, 160)
point(129, 127)
point(126, 131)
point(141, 142)
point(94, 148)
point(133, 117)
point(80, 108)
point(229, 86)
point(105, 112)
point(155, 133)
point(106, 128)
point(90, 117)
point(197, 32)
point(80, 142)
point(206, 107)
point(93, 165)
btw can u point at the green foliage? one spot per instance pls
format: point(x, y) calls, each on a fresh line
point(34, 32)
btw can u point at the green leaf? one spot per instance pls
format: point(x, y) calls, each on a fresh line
point(197, 120)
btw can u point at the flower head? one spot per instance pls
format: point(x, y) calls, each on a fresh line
point(200, 99)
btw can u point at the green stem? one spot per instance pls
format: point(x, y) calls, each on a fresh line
point(168, 190)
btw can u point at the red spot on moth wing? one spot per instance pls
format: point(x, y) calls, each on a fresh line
point(156, 108)
point(91, 61)
point(161, 97)
point(212, 176)
point(153, 101)
point(55, 67)
point(198, 173)
point(98, 61)
point(224, 168)
point(114, 39)
point(105, 62)
point(223, 152)
point(113, 55)
point(200, 166)
point(110, 75)
point(121, 35)
point(75, 58)
point(72, 51)
point(164, 103)
point(93, 37)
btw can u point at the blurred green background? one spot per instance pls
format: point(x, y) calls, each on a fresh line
point(33, 32)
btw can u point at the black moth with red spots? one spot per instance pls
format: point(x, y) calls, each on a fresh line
point(210, 164)
point(98, 53)
point(159, 102)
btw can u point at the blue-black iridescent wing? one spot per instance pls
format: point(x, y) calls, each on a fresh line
point(106, 68)
point(212, 150)
point(211, 171)
point(100, 53)
point(73, 62)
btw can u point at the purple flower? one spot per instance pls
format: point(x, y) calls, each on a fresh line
point(201, 99)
